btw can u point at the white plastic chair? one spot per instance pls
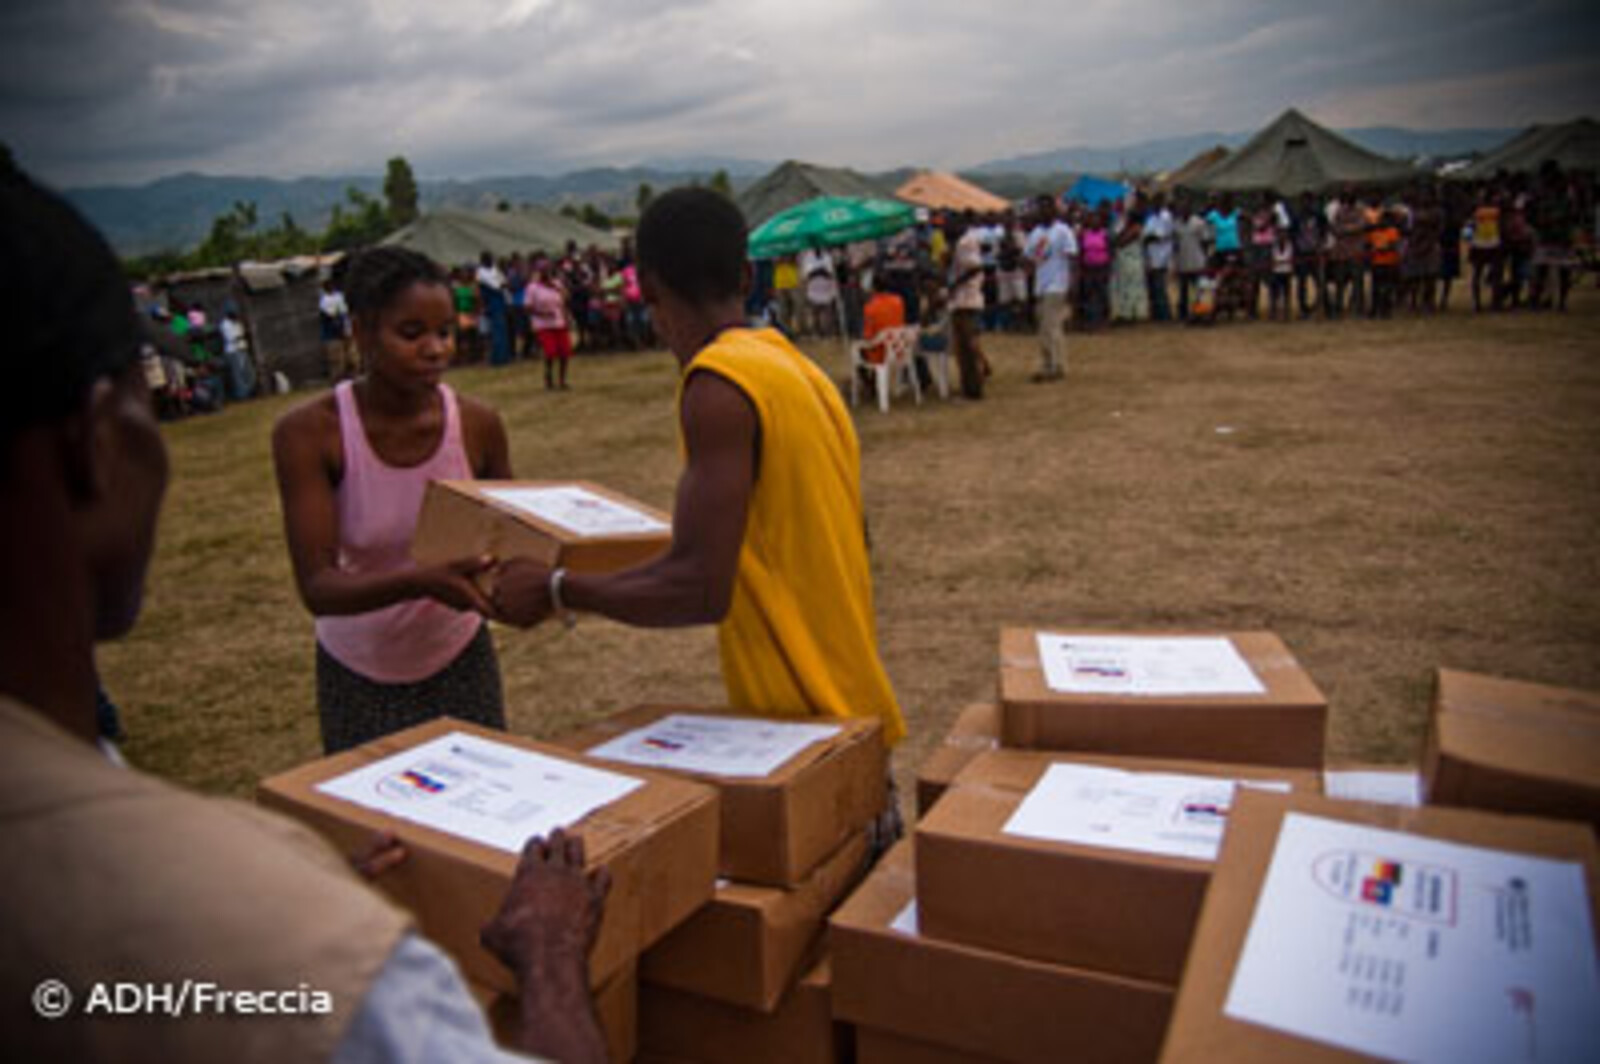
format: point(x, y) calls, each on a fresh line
point(899, 347)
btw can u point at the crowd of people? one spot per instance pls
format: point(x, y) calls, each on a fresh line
point(1517, 243)
point(549, 306)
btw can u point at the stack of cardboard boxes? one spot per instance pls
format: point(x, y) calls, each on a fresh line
point(457, 795)
point(1002, 931)
point(1353, 931)
point(1026, 922)
point(747, 977)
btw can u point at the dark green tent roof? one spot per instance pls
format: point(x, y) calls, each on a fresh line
point(1295, 155)
point(1573, 145)
point(453, 237)
point(793, 183)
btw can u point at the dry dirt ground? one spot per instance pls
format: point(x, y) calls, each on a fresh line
point(1387, 497)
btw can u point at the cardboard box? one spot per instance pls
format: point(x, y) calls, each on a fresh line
point(459, 519)
point(1200, 1030)
point(881, 1047)
point(777, 829)
point(1513, 747)
point(1284, 726)
point(1109, 910)
point(682, 1027)
point(976, 730)
point(616, 1005)
point(747, 946)
point(951, 998)
point(659, 843)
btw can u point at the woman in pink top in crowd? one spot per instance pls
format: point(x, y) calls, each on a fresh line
point(397, 643)
point(545, 302)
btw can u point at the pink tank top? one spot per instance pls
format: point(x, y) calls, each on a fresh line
point(378, 509)
point(1096, 249)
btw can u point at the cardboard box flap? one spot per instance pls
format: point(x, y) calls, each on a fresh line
point(602, 731)
point(1516, 727)
point(461, 518)
point(777, 828)
point(1022, 676)
point(483, 490)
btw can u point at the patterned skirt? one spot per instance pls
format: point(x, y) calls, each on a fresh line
point(356, 710)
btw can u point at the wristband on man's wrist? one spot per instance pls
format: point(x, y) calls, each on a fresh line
point(557, 578)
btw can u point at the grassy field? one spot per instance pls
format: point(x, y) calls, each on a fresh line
point(1388, 497)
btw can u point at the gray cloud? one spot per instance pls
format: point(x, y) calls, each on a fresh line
point(126, 90)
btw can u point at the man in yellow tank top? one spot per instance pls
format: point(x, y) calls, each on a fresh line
point(769, 538)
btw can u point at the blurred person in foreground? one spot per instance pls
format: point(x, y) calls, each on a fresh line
point(119, 878)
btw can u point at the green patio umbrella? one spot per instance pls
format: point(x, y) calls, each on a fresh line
point(829, 221)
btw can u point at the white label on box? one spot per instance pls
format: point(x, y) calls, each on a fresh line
point(1384, 786)
point(1153, 666)
point(906, 922)
point(579, 511)
point(1414, 949)
point(714, 745)
point(1143, 812)
point(488, 792)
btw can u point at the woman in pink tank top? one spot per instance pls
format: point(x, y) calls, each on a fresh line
point(397, 644)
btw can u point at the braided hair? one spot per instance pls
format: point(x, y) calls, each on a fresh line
point(67, 305)
point(373, 279)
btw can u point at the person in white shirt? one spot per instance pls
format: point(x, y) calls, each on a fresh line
point(1052, 249)
point(236, 356)
point(334, 316)
point(966, 303)
point(1159, 231)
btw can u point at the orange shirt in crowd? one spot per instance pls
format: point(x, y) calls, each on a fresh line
point(884, 310)
point(1384, 240)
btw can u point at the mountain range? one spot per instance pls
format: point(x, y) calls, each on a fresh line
point(176, 212)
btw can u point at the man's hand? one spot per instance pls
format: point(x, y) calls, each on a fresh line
point(544, 931)
point(550, 917)
point(522, 592)
point(452, 583)
point(383, 852)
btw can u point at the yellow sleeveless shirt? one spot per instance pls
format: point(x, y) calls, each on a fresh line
point(799, 638)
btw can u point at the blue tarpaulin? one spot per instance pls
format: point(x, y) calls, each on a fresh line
point(1094, 191)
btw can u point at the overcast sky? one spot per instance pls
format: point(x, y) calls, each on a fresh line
point(123, 91)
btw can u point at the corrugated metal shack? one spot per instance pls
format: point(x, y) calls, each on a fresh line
point(277, 302)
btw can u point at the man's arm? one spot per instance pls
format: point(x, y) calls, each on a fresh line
point(693, 582)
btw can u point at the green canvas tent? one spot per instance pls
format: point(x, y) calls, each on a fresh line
point(1573, 145)
point(793, 183)
point(1295, 155)
point(453, 237)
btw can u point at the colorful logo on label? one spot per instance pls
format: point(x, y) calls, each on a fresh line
point(1399, 888)
point(1209, 809)
point(657, 743)
point(421, 782)
point(1380, 883)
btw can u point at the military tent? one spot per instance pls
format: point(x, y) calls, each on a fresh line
point(1192, 170)
point(793, 183)
point(947, 192)
point(1573, 145)
point(453, 237)
point(1295, 155)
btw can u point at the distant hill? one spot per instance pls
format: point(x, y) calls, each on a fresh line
point(1169, 153)
point(175, 213)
